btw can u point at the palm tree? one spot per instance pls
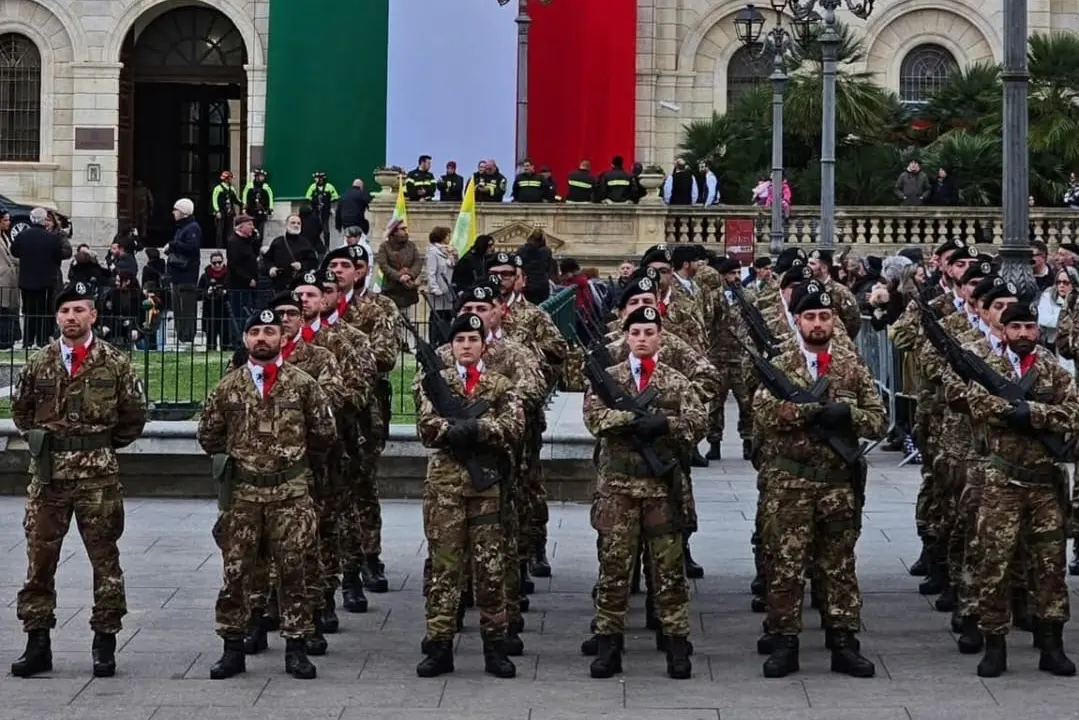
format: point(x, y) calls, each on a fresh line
point(974, 162)
point(1054, 93)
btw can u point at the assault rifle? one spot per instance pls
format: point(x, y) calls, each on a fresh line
point(972, 368)
point(448, 404)
point(615, 398)
point(762, 337)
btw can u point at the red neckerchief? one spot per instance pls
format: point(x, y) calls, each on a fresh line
point(824, 359)
point(648, 366)
point(78, 355)
point(269, 377)
point(1026, 362)
point(308, 334)
point(472, 378)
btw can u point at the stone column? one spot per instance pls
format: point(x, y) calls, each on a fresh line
point(95, 154)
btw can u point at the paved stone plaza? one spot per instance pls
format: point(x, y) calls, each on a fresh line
point(172, 572)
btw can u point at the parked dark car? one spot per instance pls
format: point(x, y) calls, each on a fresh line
point(20, 216)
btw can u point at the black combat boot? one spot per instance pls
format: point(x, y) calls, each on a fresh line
point(541, 566)
point(1053, 660)
point(438, 660)
point(352, 597)
point(970, 639)
point(37, 658)
point(679, 666)
point(948, 600)
point(330, 623)
point(316, 643)
point(747, 449)
point(956, 621)
point(515, 646)
point(920, 568)
point(995, 660)
point(847, 657)
point(374, 574)
point(255, 634)
point(937, 579)
point(271, 619)
point(517, 625)
point(495, 660)
point(661, 643)
point(756, 585)
point(693, 570)
point(784, 658)
point(590, 647)
point(766, 643)
point(524, 604)
point(1022, 618)
point(103, 652)
point(714, 451)
point(758, 604)
point(1073, 566)
point(232, 661)
point(296, 662)
point(608, 662)
point(527, 586)
point(698, 460)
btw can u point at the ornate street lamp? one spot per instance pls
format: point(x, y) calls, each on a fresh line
point(829, 42)
point(524, 21)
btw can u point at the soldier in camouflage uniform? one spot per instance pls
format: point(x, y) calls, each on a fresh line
point(906, 334)
point(846, 306)
point(76, 402)
point(729, 358)
point(376, 316)
point(1024, 494)
point(462, 522)
point(266, 424)
point(530, 326)
point(816, 503)
point(630, 502)
point(1067, 345)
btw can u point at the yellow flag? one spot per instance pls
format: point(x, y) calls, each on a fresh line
point(464, 232)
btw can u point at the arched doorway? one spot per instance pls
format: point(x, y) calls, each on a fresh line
point(182, 119)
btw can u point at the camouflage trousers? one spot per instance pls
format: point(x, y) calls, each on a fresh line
point(620, 521)
point(532, 510)
point(925, 438)
point(965, 536)
point(98, 508)
point(949, 478)
point(732, 380)
point(287, 532)
point(461, 531)
point(360, 512)
point(1008, 513)
point(811, 518)
point(324, 561)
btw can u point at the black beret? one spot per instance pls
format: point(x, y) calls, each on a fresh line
point(976, 271)
point(728, 264)
point(683, 254)
point(966, 253)
point(268, 316)
point(786, 258)
point(74, 292)
point(480, 292)
point(467, 322)
point(814, 301)
point(341, 253)
point(502, 258)
point(985, 285)
point(1019, 312)
point(312, 277)
point(358, 253)
point(797, 274)
point(635, 287)
point(656, 253)
point(642, 315)
point(949, 245)
point(762, 262)
point(327, 277)
point(824, 256)
point(646, 272)
point(999, 290)
point(288, 298)
point(801, 290)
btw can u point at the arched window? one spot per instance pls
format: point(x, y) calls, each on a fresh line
point(924, 70)
point(20, 99)
point(190, 37)
point(747, 69)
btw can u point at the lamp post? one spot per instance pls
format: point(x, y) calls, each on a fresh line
point(748, 24)
point(1015, 254)
point(524, 22)
point(829, 42)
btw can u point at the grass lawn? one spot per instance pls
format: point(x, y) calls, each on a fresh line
point(185, 378)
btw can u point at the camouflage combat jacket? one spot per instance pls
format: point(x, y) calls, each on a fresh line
point(265, 436)
point(321, 364)
point(514, 361)
point(955, 431)
point(355, 360)
point(500, 431)
point(846, 306)
point(621, 468)
point(376, 315)
point(105, 398)
point(683, 316)
point(530, 326)
point(702, 375)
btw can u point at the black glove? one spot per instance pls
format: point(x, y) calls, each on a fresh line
point(834, 415)
point(1019, 417)
point(650, 426)
point(462, 432)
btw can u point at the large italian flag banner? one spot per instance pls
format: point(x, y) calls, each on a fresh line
point(357, 83)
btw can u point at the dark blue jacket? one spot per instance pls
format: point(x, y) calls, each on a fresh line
point(183, 258)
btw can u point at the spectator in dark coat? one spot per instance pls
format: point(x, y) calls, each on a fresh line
point(214, 288)
point(536, 264)
point(943, 190)
point(352, 208)
point(290, 255)
point(471, 267)
point(242, 260)
point(183, 269)
point(153, 272)
point(40, 254)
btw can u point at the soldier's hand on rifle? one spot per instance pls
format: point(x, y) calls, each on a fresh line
point(1019, 418)
point(651, 426)
point(463, 432)
point(834, 415)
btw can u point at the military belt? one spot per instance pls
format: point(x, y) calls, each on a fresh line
point(80, 443)
point(832, 476)
point(258, 479)
point(1045, 475)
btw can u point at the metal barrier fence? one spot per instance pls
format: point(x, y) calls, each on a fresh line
point(889, 367)
point(178, 374)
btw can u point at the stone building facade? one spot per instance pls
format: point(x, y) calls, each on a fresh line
point(70, 73)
